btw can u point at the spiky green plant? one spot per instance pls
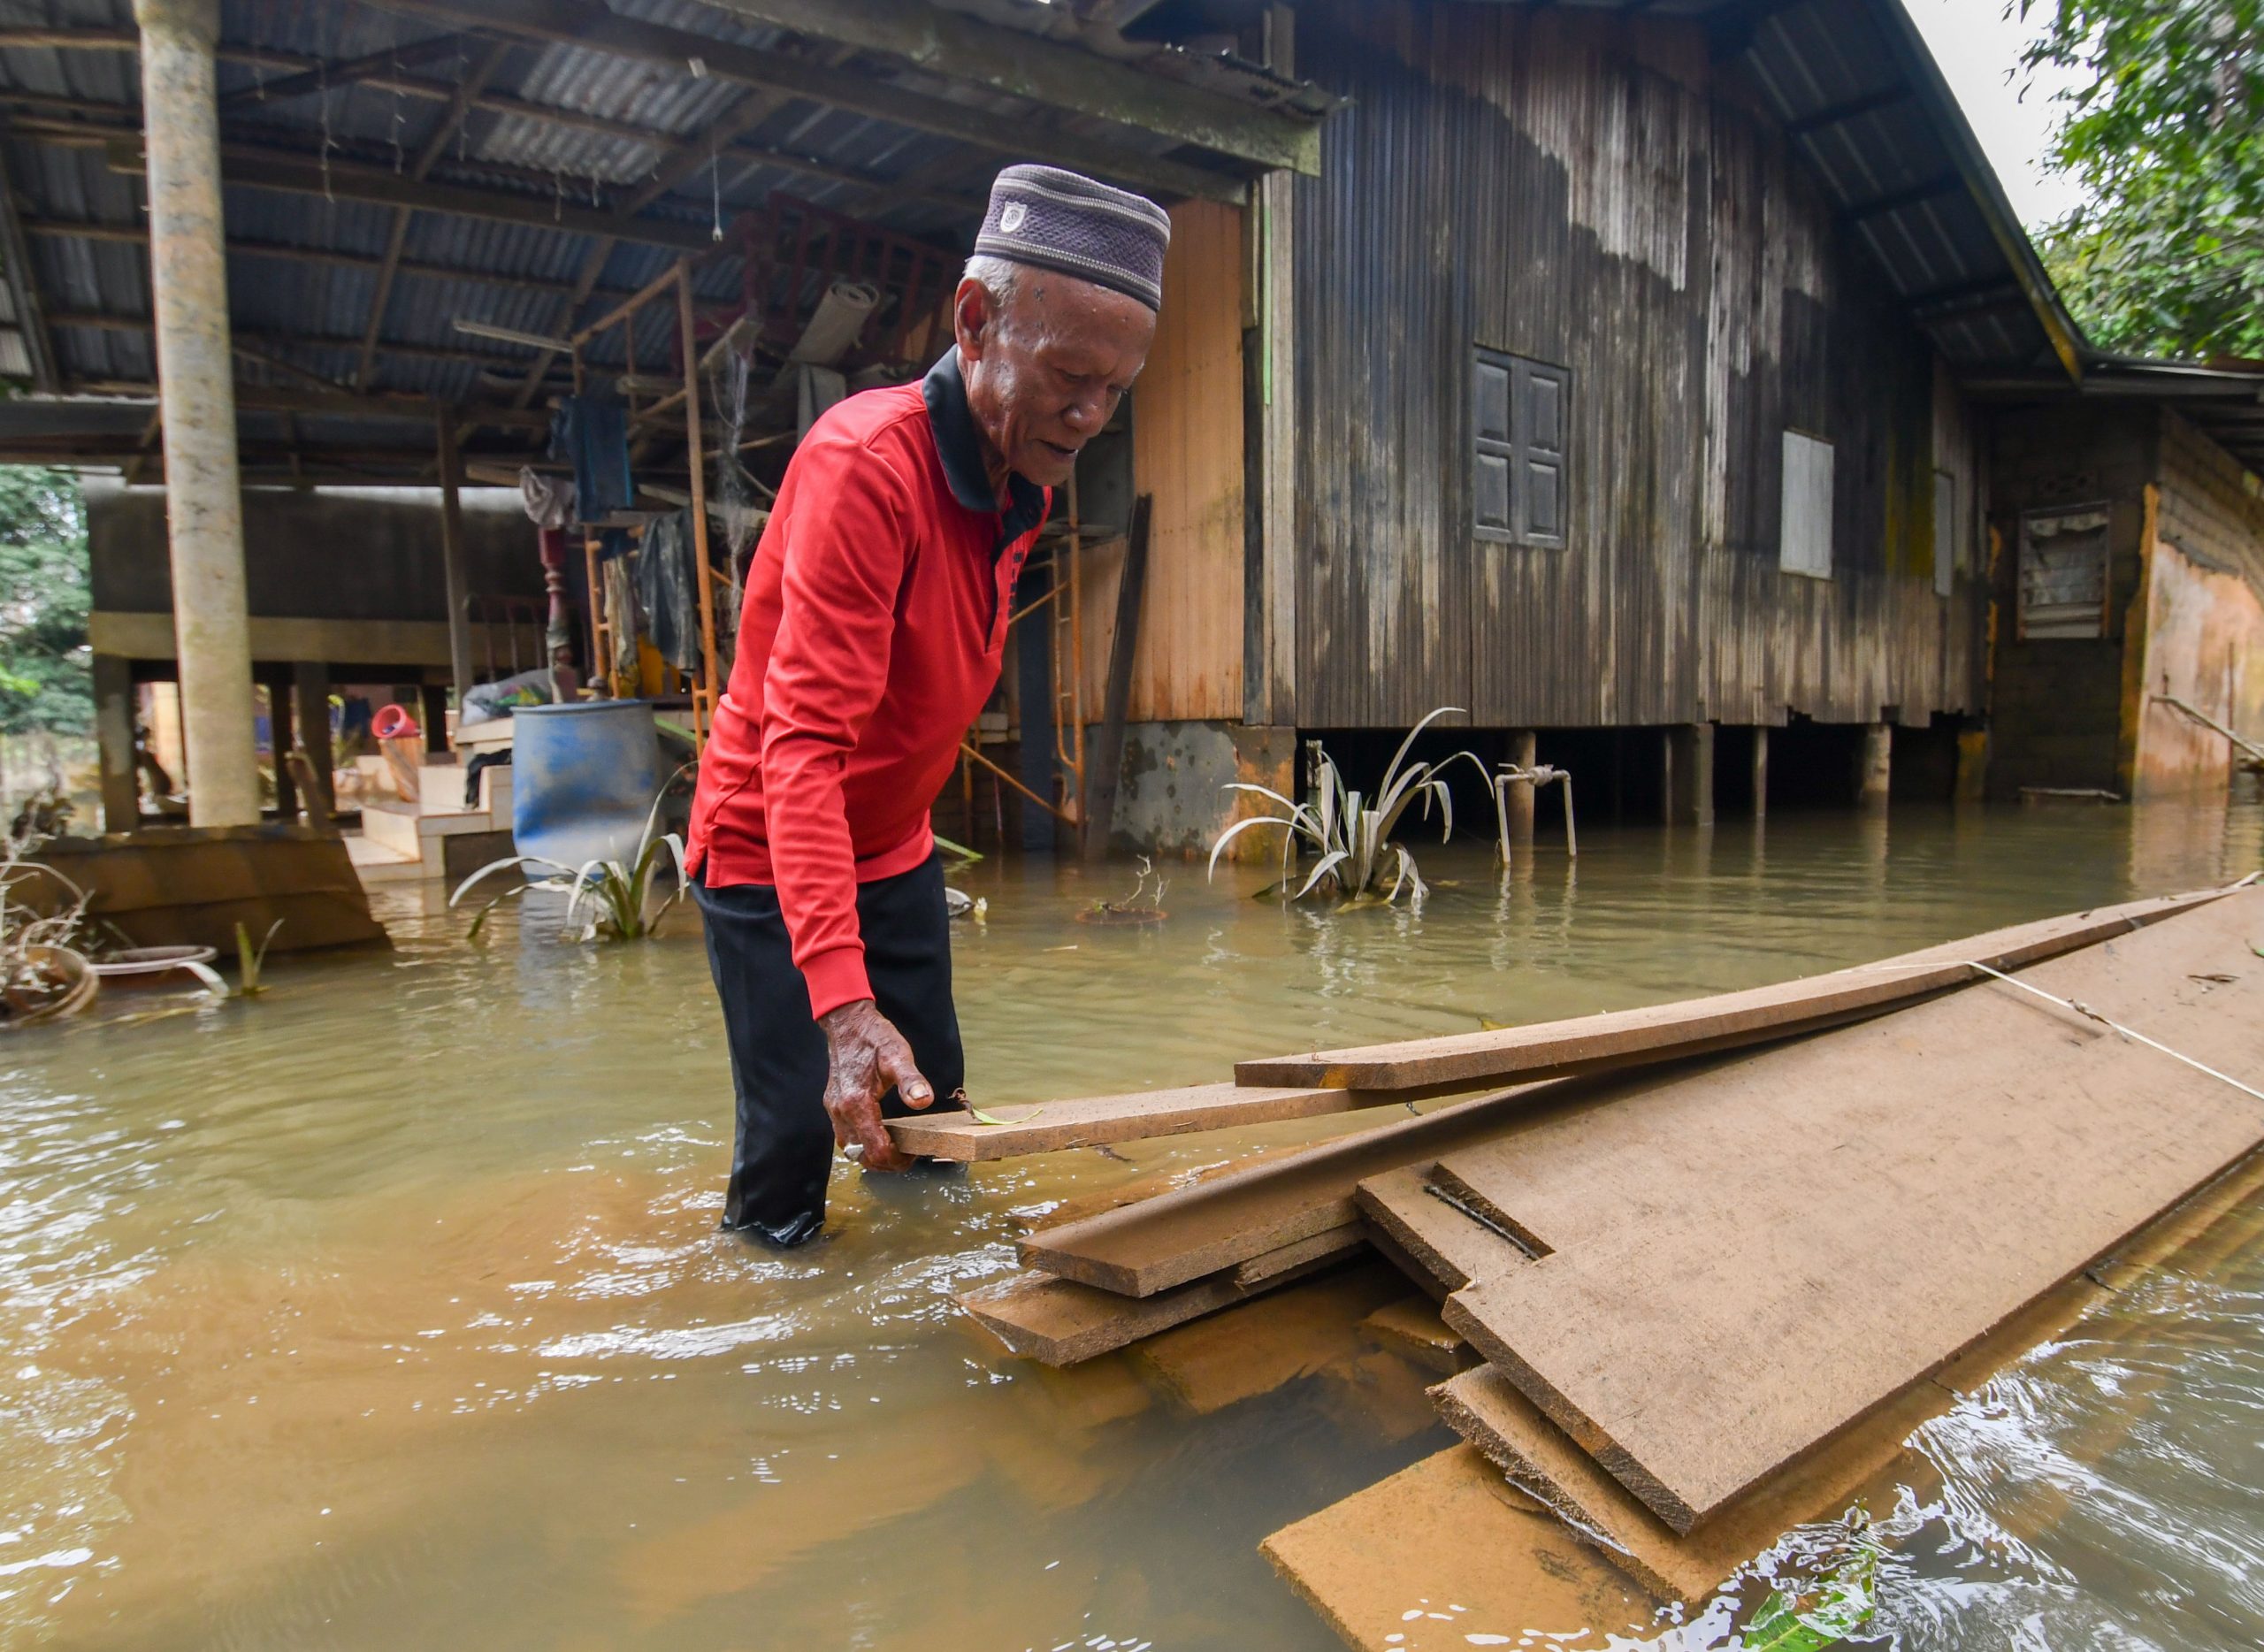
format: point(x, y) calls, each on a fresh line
point(610, 898)
point(252, 960)
point(1351, 830)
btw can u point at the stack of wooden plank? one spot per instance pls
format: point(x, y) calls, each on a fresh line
point(1718, 1265)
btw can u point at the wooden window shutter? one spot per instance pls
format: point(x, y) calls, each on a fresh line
point(1519, 417)
point(1492, 382)
point(1541, 395)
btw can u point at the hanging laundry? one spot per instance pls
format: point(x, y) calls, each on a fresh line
point(549, 500)
point(591, 433)
point(666, 586)
point(617, 555)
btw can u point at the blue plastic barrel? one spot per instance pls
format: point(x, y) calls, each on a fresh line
point(582, 779)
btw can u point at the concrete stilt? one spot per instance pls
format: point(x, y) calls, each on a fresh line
point(1524, 752)
point(1690, 775)
point(197, 366)
point(310, 687)
point(114, 742)
point(1761, 772)
point(1875, 765)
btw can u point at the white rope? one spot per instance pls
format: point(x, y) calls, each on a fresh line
point(2089, 1014)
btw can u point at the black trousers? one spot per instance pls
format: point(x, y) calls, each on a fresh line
point(782, 1148)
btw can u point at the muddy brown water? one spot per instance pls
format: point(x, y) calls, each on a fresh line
point(388, 1311)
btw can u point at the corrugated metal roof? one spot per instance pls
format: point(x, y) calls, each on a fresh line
point(562, 125)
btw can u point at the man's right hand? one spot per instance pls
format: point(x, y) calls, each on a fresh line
point(866, 1057)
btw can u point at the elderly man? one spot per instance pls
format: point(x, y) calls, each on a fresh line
point(874, 621)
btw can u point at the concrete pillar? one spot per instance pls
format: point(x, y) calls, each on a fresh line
point(114, 742)
point(1875, 765)
point(452, 559)
point(1761, 772)
point(1525, 750)
point(310, 687)
point(1690, 775)
point(196, 368)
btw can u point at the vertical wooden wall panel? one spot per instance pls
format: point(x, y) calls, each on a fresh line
point(1187, 451)
point(1580, 188)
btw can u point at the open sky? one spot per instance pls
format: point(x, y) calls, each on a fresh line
point(1978, 48)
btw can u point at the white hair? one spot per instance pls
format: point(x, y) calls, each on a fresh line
point(999, 277)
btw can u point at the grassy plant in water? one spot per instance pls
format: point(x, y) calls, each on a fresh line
point(250, 960)
point(610, 898)
point(1351, 830)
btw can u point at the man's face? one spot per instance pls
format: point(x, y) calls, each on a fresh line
point(1045, 370)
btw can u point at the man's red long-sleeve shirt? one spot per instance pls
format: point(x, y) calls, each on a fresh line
point(871, 634)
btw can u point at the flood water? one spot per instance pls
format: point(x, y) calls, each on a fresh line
point(387, 1310)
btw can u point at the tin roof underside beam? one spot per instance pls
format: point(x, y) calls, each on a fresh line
point(394, 167)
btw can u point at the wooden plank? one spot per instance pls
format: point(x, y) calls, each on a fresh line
point(1057, 1322)
point(1411, 1328)
point(1727, 1020)
point(1322, 1247)
point(1157, 1243)
point(1443, 1556)
point(1449, 1248)
point(1487, 1409)
point(1745, 1257)
point(1091, 1120)
point(1265, 1345)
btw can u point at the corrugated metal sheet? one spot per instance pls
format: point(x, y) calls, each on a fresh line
point(1523, 181)
point(312, 315)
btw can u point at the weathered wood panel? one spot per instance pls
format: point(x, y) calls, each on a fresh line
point(1580, 190)
point(1187, 451)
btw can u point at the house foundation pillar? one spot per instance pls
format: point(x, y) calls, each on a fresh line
point(1524, 752)
point(121, 794)
point(1690, 775)
point(1875, 766)
point(196, 370)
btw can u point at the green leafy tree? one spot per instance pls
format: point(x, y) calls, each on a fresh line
point(2166, 131)
point(46, 667)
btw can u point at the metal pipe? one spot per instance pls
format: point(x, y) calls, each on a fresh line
point(197, 366)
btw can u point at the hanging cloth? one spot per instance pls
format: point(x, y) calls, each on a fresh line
point(666, 586)
point(591, 433)
point(621, 616)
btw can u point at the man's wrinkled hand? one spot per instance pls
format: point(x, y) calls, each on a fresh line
point(866, 1057)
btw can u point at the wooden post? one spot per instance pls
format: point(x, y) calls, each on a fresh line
point(1107, 754)
point(278, 745)
point(1525, 754)
point(1761, 771)
point(311, 684)
point(1690, 775)
point(121, 793)
point(457, 577)
point(1875, 766)
point(703, 696)
point(1033, 693)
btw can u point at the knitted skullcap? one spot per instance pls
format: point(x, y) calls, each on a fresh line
point(1064, 221)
